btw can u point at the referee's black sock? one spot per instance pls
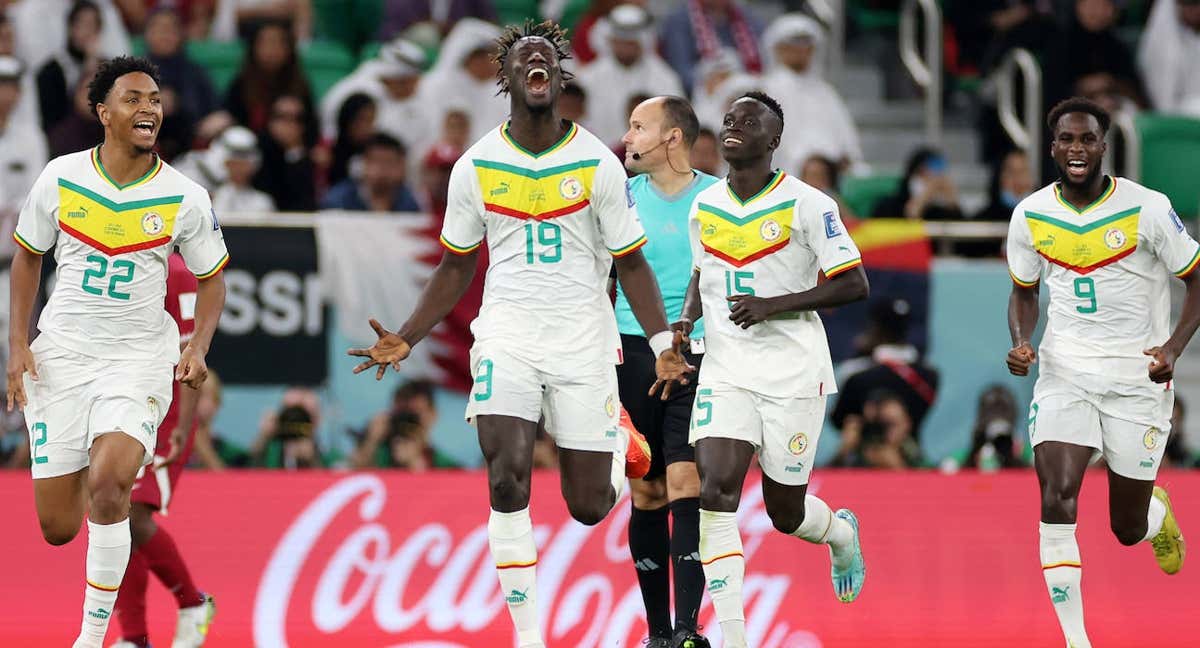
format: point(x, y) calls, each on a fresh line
point(650, 545)
point(685, 554)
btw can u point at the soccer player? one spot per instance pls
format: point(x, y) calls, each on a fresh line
point(1105, 247)
point(759, 240)
point(153, 548)
point(96, 382)
point(552, 202)
point(657, 146)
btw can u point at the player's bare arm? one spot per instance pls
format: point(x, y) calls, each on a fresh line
point(849, 286)
point(1022, 320)
point(447, 285)
point(1162, 365)
point(24, 280)
point(692, 308)
point(210, 300)
point(641, 289)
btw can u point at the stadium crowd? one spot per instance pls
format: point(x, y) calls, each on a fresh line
point(365, 105)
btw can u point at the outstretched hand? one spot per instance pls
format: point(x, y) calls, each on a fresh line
point(671, 367)
point(389, 349)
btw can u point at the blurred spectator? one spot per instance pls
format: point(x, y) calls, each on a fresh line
point(209, 449)
point(823, 173)
point(927, 191)
point(1167, 56)
point(23, 150)
point(1178, 454)
point(381, 187)
point(180, 75)
point(435, 177)
point(58, 77)
point(399, 437)
point(894, 367)
point(41, 28)
point(985, 30)
point(80, 129)
point(818, 120)
point(456, 129)
point(399, 15)
point(270, 70)
point(882, 437)
point(287, 438)
point(195, 15)
point(242, 159)
point(699, 29)
point(582, 48)
point(572, 103)
point(288, 172)
point(721, 81)
point(464, 78)
point(626, 65)
point(26, 113)
point(240, 18)
point(619, 148)
point(1011, 181)
point(706, 155)
point(1104, 89)
point(1089, 44)
point(993, 443)
point(206, 167)
point(355, 125)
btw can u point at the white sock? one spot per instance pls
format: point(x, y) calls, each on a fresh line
point(1154, 518)
point(724, 569)
point(107, 556)
point(510, 537)
point(821, 526)
point(1061, 569)
point(618, 465)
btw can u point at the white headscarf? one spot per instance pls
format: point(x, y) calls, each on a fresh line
point(449, 87)
point(1167, 58)
point(712, 108)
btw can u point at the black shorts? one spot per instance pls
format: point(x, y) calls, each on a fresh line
point(665, 424)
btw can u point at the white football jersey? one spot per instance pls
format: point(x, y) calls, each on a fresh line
point(775, 243)
point(553, 222)
point(1106, 268)
point(111, 243)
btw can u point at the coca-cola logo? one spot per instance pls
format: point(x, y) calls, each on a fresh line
point(427, 580)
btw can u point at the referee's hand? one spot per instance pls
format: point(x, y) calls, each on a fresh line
point(20, 361)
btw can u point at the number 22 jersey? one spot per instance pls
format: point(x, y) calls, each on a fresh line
point(1107, 268)
point(111, 243)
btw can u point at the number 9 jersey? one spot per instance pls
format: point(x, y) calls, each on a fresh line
point(111, 245)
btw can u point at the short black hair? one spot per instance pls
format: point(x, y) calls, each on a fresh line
point(680, 115)
point(109, 71)
point(415, 389)
point(573, 89)
point(81, 6)
point(383, 140)
point(1079, 105)
point(766, 100)
point(513, 34)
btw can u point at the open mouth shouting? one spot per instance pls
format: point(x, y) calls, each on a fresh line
point(144, 127)
point(1077, 168)
point(537, 81)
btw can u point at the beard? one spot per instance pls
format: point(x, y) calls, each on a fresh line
point(1065, 179)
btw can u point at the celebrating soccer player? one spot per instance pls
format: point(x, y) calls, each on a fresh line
point(96, 383)
point(552, 202)
point(658, 144)
point(759, 240)
point(1105, 248)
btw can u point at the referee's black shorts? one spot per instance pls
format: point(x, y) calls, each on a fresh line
point(665, 424)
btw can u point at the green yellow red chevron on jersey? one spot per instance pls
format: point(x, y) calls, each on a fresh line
point(116, 227)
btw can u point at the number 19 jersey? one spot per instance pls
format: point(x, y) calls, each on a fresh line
point(553, 221)
point(111, 243)
point(1107, 268)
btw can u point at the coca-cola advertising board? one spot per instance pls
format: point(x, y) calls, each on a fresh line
point(392, 559)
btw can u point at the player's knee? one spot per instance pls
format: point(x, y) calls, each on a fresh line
point(109, 502)
point(57, 534)
point(588, 513)
point(1059, 502)
point(718, 495)
point(786, 521)
point(1128, 534)
point(509, 492)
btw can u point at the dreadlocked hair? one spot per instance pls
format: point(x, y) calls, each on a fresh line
point(547, 29)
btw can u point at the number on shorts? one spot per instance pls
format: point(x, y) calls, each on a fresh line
point(39, 440)
point(548, 234)
point(1085, 288)
point(705, 406)
point(484, 377)
point(122, 273)
point(734, 285)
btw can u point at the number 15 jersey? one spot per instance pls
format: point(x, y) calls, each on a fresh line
point(111, 243)
point(1107, 269)
point(553, 222)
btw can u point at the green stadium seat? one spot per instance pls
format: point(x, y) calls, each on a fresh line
point(514, 12)
point(220, 58)
point(870, 19)
point(353, 23)
point(862, 193)
point(1170, 149)
point(325, 63)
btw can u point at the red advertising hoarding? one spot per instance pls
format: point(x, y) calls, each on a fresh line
point(390, 559)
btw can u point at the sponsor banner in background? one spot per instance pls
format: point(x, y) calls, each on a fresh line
point(389, 559)
point(273, 327)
